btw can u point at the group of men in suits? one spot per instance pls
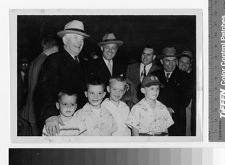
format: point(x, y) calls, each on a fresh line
point(176, 92)
point(66, 70)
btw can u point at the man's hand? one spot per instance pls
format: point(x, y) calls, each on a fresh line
point(52, 125)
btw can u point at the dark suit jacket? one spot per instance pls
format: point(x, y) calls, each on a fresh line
point(175, 91)
point(175, 94)
point(133, 74)
point(59, 72)
point(99, 69)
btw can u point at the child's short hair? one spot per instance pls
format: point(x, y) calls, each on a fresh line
point(66, 92)
point(118, 78)
point(94, 81)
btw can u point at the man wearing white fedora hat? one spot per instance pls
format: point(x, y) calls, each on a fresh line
point(106, 66)
point(175, 92)
point(63, 71)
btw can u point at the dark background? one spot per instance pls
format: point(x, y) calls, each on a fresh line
point(136, 31)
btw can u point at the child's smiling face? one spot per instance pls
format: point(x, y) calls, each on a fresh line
point(116, 90)
point(95, 94)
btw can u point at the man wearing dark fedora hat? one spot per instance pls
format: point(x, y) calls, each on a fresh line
point(175, 92)
point(107, 66)
point(63, 71)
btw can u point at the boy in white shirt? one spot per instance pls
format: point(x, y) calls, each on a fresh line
point(120, 111)
point(98, 120)
point(150, 117)
point(72, 126)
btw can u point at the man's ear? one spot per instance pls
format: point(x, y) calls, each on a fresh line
point(143, 90)
point(64, 39)
point(104, 94)
point(57, 105)
point(107, 88)
point(161, 60)
point(154, 56)
point(85, 93)
point(82, 46)
point(101, 48)
point(76, 106)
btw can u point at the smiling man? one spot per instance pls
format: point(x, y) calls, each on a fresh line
point(137, 71)
point(107, 66)
point(62, 71)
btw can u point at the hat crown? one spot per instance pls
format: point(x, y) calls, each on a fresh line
point(75, 24)
point(109, 36)
point(187, 53)
point(168, 51)
point(151, 78)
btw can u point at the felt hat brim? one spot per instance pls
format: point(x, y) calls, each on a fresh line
point(167, 55)
point(118, 42)
point(63, 32)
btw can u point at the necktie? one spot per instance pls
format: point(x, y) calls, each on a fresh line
point(143, 73)
point(144, 70)
point(167, 76)
point(110, 67)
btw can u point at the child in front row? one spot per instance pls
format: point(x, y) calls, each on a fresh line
point(120, 111)
point(98, 120)
point(67, 104)
point(149, 117)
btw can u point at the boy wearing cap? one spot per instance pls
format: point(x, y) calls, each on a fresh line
point(150, 117)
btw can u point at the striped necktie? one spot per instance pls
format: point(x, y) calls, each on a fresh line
point(143, 73)
point(144, 70)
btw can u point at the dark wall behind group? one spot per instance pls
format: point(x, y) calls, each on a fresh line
point(136, 31)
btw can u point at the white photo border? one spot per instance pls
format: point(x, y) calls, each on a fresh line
point(128, 140)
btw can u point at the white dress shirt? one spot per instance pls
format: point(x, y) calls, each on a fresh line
point(109, 64)
point(147, 69)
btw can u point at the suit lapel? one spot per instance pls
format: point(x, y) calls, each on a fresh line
point(103, 67)
point(153, 68)
point(138, 72)
point(163, 77)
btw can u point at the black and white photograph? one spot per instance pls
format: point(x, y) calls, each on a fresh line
point(100, 73)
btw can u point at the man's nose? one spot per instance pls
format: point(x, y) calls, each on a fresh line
point(110, 50)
